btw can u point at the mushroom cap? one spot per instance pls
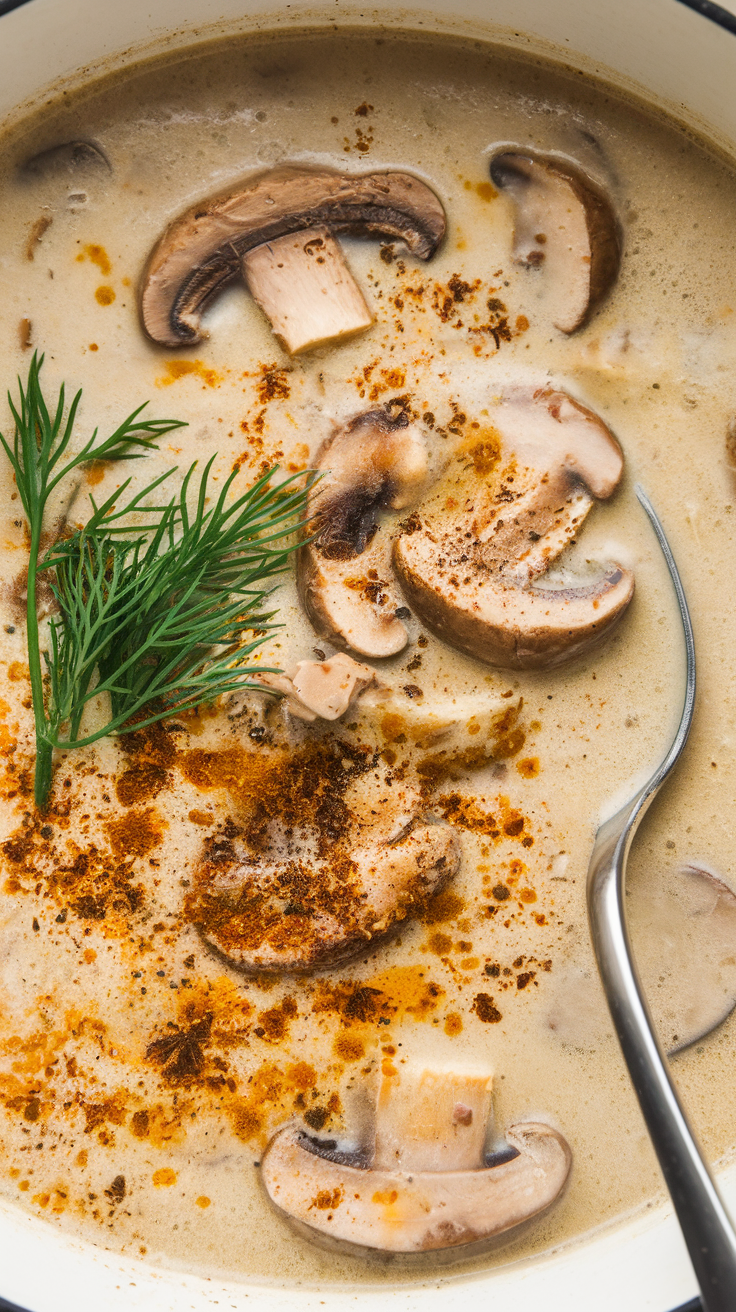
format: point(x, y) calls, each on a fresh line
point(377, 461)
point(201, 251)
point(515, 628)
point(397, 1212)
point(301, 916)
point(566, 228)
point(469, 574)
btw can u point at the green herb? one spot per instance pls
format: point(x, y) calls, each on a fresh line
point(152, 615)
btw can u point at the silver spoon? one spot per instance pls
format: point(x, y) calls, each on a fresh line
point(705, 1224)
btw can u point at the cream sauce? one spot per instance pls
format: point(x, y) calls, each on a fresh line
point(97, 959)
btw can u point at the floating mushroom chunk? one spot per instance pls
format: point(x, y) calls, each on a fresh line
point(302, 915)
point(71, 159)
point(565, 231)
point(378, 461)
point(683, 932)
point(683, 929)
point(426, 1184)
point(471, 577)
point(321, 690)
point(278, 230)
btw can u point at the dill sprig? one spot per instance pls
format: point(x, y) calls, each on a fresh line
point(154, 615)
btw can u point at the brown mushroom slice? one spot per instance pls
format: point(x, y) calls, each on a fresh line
point(213, 241)
point(514, 628)
point(472, 579)
point(378, 461)
point(321, 690)
point(683, 930)
point(565, 231)
point(427, 1185)
point(300, 916)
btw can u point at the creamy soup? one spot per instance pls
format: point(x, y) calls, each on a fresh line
point(141, 1073)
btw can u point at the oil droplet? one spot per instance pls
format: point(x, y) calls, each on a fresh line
point(164, 1177)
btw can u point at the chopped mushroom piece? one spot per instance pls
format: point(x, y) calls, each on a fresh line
point(297, 916)
point(306, 290)
point(565, 230)
point(378, 461)
point(472, 580)
point(321, 690)
point(278, 230)
point(427, 1184)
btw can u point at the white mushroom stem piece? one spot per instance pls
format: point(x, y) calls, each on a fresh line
point(320, 690)
point(378, 461)
point(470, 575)
point(304, 287)
point(278, 231)
point(428, 1184)
point(565, 231)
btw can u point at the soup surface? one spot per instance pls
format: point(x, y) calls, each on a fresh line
point(140, 1074)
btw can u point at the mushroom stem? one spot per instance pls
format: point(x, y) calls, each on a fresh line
point(306, 290)
point(320, 690)
point(429, 1120)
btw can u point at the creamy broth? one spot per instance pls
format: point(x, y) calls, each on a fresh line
point(104, 1134)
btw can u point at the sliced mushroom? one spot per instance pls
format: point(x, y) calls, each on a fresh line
point(377, 461)
point(427, 1184)
point(278, 230)
point(72, 158)
point(683, 928)
point(565, 231)
point(305, 915)
point(301, 915)
point(472, 579)
point(683, 932)
point(321, 690)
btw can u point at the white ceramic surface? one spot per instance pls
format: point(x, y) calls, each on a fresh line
point(674, 58)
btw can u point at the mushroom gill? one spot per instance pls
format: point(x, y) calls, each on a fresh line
point(471, 573)
point(426, 1183)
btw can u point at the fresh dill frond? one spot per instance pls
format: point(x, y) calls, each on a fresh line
point(157, 621)
point(156, 614)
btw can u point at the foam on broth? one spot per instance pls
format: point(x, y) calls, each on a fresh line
point(97, 960)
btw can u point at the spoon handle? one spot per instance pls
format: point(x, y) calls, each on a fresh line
point(706, 1227)
point(705, 1224)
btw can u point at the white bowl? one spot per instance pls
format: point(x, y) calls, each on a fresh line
point(676, 58)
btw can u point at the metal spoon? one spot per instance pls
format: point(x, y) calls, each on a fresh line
point(705, 1224)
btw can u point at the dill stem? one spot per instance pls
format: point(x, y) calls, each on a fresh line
point(44, 749)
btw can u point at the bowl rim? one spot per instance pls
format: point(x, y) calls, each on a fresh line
point(20, 1233)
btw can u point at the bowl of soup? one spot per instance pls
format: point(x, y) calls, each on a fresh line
point(330, 926)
